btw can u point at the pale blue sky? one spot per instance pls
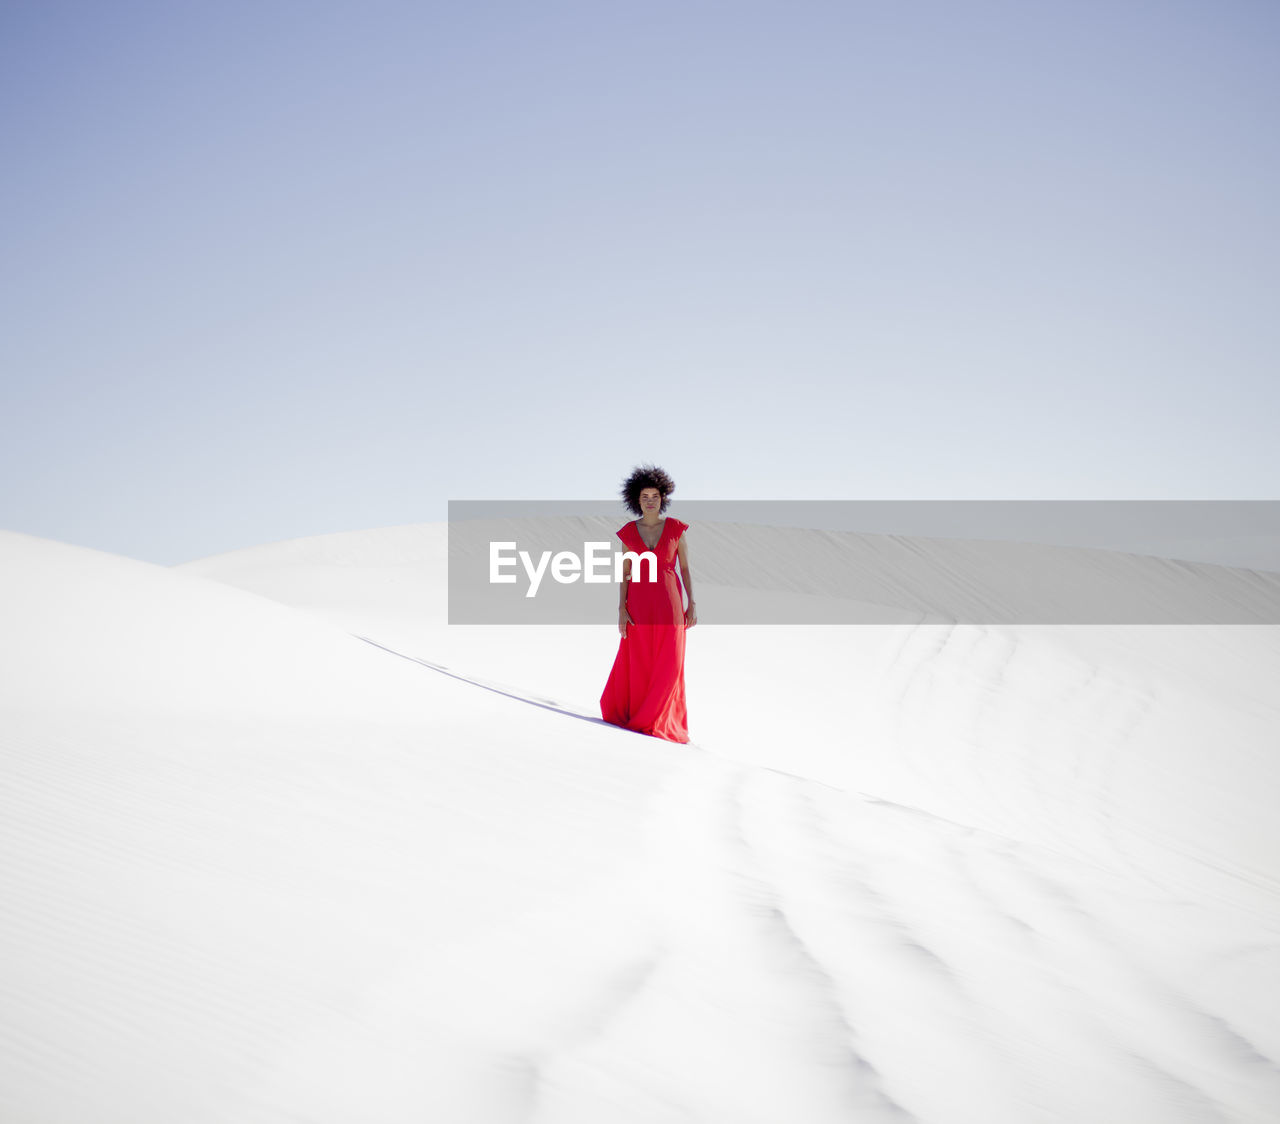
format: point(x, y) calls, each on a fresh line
point(282, 269)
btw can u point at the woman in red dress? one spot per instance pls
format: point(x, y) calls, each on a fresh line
point(645, 690)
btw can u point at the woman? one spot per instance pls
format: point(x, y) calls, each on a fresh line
point(645, 690)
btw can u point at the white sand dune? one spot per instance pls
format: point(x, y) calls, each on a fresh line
point(258, 869)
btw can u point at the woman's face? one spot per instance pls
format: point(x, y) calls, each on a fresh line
point(650, 501)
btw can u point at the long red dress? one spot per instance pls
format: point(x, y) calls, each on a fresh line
point(645, 689)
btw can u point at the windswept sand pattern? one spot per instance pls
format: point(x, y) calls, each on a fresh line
point(891, 955)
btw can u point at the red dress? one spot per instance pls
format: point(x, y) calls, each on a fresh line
point(645, 690)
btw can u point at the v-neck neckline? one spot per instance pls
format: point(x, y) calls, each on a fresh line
point(658, 543)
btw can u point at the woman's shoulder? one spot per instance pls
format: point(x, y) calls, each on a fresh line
point(628, 529)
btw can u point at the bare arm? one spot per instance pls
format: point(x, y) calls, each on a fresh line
point(624, 618)
point(682, 553)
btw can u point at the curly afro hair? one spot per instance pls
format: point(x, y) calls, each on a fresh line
point(646, 476)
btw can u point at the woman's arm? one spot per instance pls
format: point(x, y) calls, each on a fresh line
point(624, 618)
point(682, 552)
